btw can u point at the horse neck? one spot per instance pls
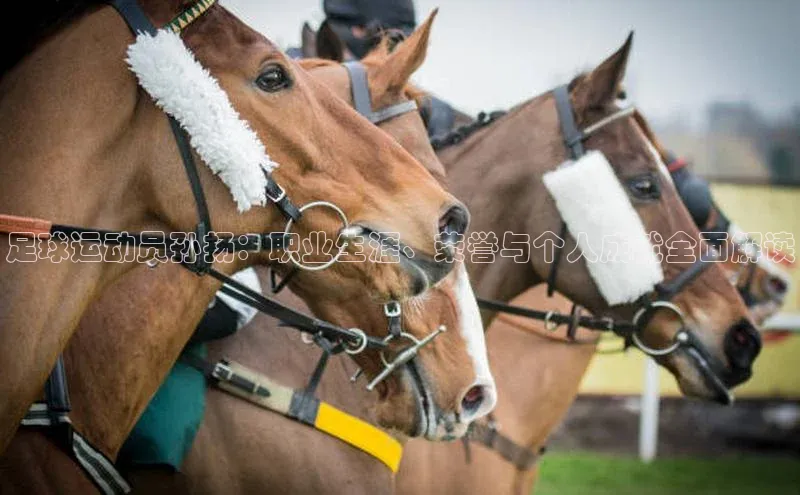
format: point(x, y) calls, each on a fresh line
point(497, 173)
point(68, 155)
point(126, 344)
point(537, 377)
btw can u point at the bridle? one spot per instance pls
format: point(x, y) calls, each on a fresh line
point(647, 305)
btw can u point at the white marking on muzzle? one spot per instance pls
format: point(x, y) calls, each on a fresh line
point(472, 330)
point(184, 89)
point(592, 202)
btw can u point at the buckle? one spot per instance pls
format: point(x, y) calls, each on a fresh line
point(392, 309)
point(281, 192)
point(222, 372)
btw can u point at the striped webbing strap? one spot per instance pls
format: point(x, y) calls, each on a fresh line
point(264, 392)
point(94, 463)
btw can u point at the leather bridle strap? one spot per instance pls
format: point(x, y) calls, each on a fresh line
point(362, 100)
point(554, 319)
point(138, 22)
point(489, 436)
point(293, 318)
point(573, 140)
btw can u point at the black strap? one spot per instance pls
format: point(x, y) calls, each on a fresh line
point(220, 371)
point(573, 140)
point(134, 16)
point(278, 196)
point(304, 405)
point(174, 243)
point(291, 317)
point(592, 323)
point(551, 277)
point(359, 87)
point(488, 435)
point(276, 285)
point(667, 290)
point(573, 137)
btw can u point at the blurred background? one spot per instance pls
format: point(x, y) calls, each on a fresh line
point(719, 81)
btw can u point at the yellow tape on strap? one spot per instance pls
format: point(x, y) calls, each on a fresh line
point(359, 434)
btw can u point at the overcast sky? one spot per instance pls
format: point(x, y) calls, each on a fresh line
point(490, 54)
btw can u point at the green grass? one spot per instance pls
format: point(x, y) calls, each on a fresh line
point(598, 474)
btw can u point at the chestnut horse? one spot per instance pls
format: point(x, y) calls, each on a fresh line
point(248, 436)
point(86, 133)
point(449, 385)
point(526, 382)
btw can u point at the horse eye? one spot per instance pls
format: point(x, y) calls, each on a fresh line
point(273, 78)
point(645, 187)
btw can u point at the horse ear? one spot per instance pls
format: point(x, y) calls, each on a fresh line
point(329, 45)
point(309, 41)
point(602, 85)
point(407, 57)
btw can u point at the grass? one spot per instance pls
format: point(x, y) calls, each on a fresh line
point(598, 474)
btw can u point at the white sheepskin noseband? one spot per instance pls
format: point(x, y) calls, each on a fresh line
point(596, 209)
point(184, 89)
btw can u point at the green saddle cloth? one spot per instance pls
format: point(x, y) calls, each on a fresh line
point(166, 429)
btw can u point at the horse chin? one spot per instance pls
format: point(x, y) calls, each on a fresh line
point(432, 423)
point(697, 377)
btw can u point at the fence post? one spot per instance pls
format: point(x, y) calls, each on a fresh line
point(648, 413)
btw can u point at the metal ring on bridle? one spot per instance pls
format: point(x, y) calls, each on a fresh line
point(333, 260)
point(679, 338)
point(357, 349)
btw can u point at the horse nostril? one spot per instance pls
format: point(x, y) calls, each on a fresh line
point(472, 400)
point(742, 345)
point(454, 222)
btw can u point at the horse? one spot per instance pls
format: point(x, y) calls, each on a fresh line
point(87, 134)
point(447, 386)
point(246, 435)
point(536, 393)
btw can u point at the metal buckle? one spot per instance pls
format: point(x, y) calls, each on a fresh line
point(392, 309)
point(281, 194)
point(222, 372)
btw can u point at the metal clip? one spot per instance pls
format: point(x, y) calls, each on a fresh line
point(279, 197)
point(222, 372)
point(392, 309)
point(404, 356)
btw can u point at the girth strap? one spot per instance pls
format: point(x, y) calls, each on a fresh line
point(281, 399)
point(488, 435)
point(94, 463)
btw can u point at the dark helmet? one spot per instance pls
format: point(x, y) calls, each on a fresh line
point(374, 15)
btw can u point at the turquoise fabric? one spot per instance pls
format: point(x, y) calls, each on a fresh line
point(167, 427)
